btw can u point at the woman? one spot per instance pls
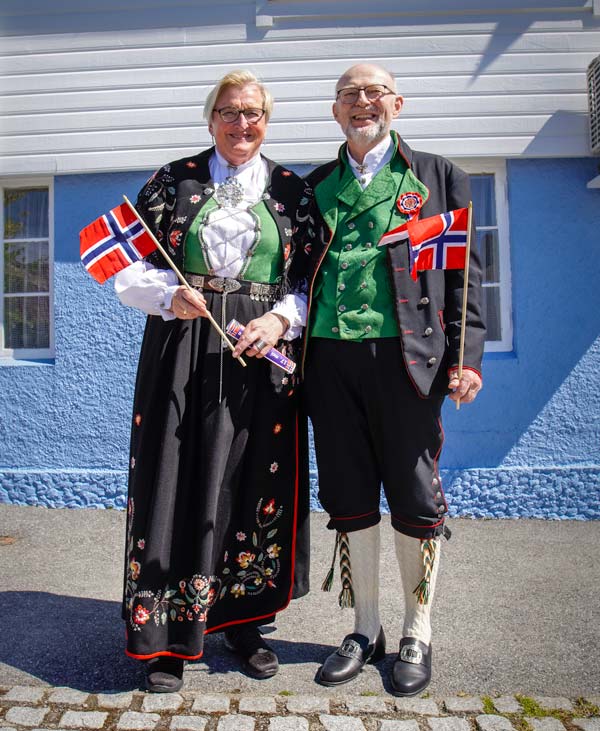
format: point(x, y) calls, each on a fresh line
point(218, 477)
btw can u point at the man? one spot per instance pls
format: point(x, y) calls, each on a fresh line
point(382, 352)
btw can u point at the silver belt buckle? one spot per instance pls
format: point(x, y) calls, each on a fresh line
point(224, 284)
point(410, 653)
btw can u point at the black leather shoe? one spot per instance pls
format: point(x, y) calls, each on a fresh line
point(259, 660)
point(412, 669)
point(350, 658)
point(164, 674)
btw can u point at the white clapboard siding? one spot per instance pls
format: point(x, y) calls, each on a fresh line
point(120, 84)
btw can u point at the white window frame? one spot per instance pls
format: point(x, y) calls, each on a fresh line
point(497, 168)
point(10, 355)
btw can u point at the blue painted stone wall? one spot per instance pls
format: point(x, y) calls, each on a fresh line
point(528, 447)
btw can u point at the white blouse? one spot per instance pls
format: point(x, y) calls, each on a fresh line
point(229, 237)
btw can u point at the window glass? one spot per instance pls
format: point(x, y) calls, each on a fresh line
point(25, 270)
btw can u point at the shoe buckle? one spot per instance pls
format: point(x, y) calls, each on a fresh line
point(350, 648)
point(411, 653)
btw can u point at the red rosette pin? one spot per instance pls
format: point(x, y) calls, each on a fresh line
point(409, 204)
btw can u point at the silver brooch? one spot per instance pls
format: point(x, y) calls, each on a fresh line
point(230, 193)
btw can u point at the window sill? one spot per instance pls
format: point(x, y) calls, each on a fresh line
point(16, 361)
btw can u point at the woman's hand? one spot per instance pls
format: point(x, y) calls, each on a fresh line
point(261, 334)
point(188, 305)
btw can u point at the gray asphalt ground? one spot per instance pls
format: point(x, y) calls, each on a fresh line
point(516, 611)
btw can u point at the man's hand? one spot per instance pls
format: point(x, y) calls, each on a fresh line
point(188, 305)
point(261, 334)
point(467, 388)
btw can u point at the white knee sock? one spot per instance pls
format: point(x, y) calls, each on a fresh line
point(418, 561)
point(364, 567)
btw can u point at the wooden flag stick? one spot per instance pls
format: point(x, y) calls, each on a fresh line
point(180, 276)
point(463, 321)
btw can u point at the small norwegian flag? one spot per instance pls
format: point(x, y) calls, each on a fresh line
point(112, 242)
point(437, 242)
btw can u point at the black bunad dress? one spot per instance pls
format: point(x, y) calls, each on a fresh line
point(217, 528)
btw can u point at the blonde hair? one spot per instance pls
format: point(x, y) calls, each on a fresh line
point(237, 78)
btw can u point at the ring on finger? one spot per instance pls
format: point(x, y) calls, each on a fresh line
point(259, 344)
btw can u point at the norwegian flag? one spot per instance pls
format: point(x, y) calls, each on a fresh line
point(437, 242)
point(113, 242)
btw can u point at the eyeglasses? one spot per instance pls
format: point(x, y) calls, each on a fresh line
point(373, 92)
point(232, 114)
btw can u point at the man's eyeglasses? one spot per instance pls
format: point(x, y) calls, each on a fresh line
point(231, 114)
point(373, 92)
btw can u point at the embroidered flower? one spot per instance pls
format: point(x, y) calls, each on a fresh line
point(175, 237)
point(285, 380)
point(280, 208)
point(141, 615)
point(191, 164)
point(269, 508)
point(245, 558)
point(199, 583)
point(277, 428)
point(141, 544)
point(286, 251)
point(273, 550)
point(288, 231)
point(195, 198)
point(137, 419)
point(189, 615)
point(240, 535)
point(211, 596)
point(273, 468)
point(238, 590)
point(268, 572)
point(134, 568)
point(182, 586)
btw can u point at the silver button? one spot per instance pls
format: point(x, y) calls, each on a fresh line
point(442, 509)
point(335, 329)
point(368, 329)
point(368, 245)
point(208, 191)
point(351, 225)
point(266, 196)
point(427, 332)
point(435, 482)
point(344, 265)
point(438, 495)
point(342, 308)
point(342, 287)
point(364, 307)
point(424, 301)
point(348, 247)
point(432, 360)
point(371, 224)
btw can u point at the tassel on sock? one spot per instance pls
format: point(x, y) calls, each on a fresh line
point(328, 582)
point(346, 598)
point(422, 590)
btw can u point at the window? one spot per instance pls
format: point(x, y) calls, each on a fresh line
point(25, 268)
point(488, 186)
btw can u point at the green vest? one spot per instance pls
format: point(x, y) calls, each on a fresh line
point(265, 260)
point(353, 296)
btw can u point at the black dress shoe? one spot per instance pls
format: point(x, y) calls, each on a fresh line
point(350, 658)
point(164, 674)
point(259, 660)
point(412, 669)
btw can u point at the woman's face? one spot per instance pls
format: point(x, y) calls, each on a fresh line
point(238, 141)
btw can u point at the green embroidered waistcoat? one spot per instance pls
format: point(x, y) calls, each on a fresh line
point(265, 263)
point(353, 296)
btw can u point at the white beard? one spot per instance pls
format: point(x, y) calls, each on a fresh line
point(372, 133)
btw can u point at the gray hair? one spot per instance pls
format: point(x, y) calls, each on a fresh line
point(238, 78)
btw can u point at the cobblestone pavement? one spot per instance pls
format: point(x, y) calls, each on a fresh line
point(38, 709)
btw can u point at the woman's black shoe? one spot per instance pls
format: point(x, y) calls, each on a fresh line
point(259, 659)
point(164, 674)
point(350, 658)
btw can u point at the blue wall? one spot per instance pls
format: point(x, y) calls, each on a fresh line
point(528, 447)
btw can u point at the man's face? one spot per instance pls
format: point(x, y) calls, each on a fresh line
point(238, 141)
point(366, 122)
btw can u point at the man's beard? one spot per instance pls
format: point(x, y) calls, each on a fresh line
point(371, 133)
